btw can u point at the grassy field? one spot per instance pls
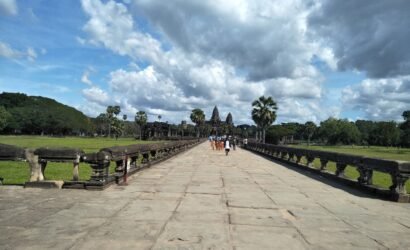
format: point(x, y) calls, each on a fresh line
point(392, 153)
point(379, 179)
point(16, 173)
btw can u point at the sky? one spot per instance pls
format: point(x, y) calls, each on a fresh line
point(317, 58)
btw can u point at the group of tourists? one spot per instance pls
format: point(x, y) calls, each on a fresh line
point(223, 142)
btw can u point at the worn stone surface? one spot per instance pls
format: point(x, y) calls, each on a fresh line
point(203, 199)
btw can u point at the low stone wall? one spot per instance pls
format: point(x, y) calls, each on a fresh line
point(398, 170)
point(128, 160)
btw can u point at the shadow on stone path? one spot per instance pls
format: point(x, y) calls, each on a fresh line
point(203, 199)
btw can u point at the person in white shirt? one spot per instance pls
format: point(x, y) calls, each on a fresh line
point(227, 146)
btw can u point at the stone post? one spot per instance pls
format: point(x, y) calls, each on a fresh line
point(366, 175)
point(291, 156)
point(145, 158)
point(153, 154)
point(323, 164)
point(399, 184)
point(283, 155)
point(35, 168)
point(298, 158)
point(76, 166)
point(340, 169)
point(310, 160)
point(100, 164)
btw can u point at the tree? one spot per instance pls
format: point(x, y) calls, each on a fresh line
point(329, 130)
point(348, 132)
point(366, 129)
point(296, 130)
point(406, 115)
point(124, 118)
point(276, 134)
point(334, 131)
point(4, 118)
point(405, 129)
point(141, 119)
point(388, 134)
point(197, 117)
point(112, 112)
point(309, 130)
point(117, 127)
point(101, 123)
point(40, 115)
point(264, 113)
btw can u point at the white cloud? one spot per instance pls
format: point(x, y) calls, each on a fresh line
point(226, 54)
point(111, 26)
point(10, 53)
point(266, 39)
point(85, 79)
point(91, 109)
point(31, 54)
point(379, 99)
point(8, 7)
point(97, 95)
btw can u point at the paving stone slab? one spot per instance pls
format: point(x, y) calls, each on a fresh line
point(194, 236)
point(260, 217)
point(255, 237)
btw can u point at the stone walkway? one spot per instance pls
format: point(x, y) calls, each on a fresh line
point(203, 199)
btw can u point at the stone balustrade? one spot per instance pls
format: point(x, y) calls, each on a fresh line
point(128, 159)
point(399, 171)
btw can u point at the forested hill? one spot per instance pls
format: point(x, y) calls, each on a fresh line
point(41, 115)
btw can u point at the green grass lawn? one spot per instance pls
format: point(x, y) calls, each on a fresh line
point(391, 153)
point(379, 179)
point(17, 173)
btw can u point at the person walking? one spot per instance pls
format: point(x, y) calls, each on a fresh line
point(234, 141)
point(213, 143)
point(245, 142)
point(227, 146)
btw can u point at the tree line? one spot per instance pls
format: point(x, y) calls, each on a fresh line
point(22, 114)
point(331, 131)
point(343, 132)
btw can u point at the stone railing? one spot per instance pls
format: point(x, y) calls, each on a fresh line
point(11, 153)
point(128, 159)
point(398, 170)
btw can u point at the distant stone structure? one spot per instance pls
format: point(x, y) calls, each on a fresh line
point(218, 126)
point(215, 121)
point(157, 130)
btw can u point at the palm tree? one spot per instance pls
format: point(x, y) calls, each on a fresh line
point(141, 119)
point(264, 113)
point(197, 117)
point(112, 112)
point(309, 129)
